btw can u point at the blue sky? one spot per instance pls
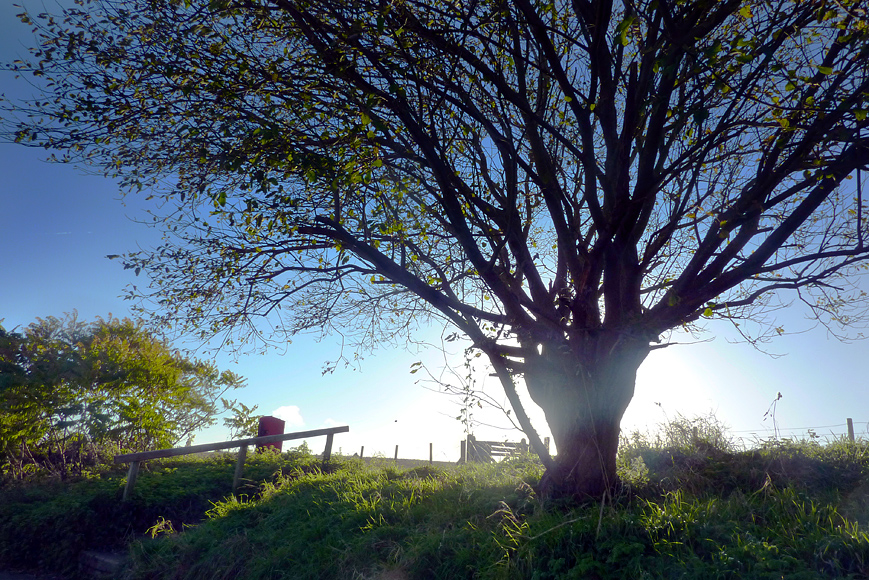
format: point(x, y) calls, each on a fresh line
point(58, 223)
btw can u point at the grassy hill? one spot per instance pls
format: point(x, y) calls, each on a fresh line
point(689, 508)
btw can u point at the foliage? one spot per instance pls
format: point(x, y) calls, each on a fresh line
point(10, 373)
point(360, 519)
point(242, 423)
point(46, 523)
point(80, 391)
point(563, 183)
point(698, 455)
point(484, 521)
point(685, 434)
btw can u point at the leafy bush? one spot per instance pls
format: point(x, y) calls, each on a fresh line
point(73, 393)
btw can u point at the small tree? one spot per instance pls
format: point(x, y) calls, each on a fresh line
point(80, 387)
point(242, 422)
point(563, 182)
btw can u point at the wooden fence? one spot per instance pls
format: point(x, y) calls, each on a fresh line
point(395, 458)
point(134, 458)
point(486, 451)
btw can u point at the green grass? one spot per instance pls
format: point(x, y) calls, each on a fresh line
point(45, 523)
point(693, 508)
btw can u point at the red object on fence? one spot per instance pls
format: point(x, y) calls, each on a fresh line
point(270, 426)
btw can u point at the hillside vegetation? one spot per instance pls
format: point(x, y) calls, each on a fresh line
point(691, 507)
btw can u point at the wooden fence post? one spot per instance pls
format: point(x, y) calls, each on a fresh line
point(850, 429)
point(396, 453)
point(327, 452)
point(463, 445)
point(134, 458)
point(239, 467)
point(431, 452)
point(131, 479)
point(362, 452)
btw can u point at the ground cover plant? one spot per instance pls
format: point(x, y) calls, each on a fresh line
point(46, 522)
point(696, 510)
point(691, 505)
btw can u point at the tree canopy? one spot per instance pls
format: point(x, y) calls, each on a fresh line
point(75, 389)
point(562, 182)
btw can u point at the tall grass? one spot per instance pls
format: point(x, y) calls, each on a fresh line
point(692, 506)
point(46, 523)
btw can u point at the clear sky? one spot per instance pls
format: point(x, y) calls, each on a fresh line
point(58, 223)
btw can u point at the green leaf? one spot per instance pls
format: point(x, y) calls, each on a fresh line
point(623, 28)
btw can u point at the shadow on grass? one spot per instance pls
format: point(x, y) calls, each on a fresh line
point(484, 522)
point(687, 512)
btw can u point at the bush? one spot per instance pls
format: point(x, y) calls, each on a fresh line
point(74, 391)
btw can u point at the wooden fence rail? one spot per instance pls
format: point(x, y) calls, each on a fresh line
point(475, 450)
point(134, 458)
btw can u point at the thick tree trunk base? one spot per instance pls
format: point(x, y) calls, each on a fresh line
point(586, 470)
point(564, 483)
point(584, 391)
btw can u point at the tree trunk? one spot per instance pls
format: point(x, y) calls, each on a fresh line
point(584, 392)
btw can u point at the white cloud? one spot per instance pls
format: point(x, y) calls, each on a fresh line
point(291, 414)
point(331, 423)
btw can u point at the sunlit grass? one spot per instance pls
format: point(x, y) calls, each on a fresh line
point(691, 506)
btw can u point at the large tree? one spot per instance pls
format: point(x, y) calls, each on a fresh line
point(563, 182)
